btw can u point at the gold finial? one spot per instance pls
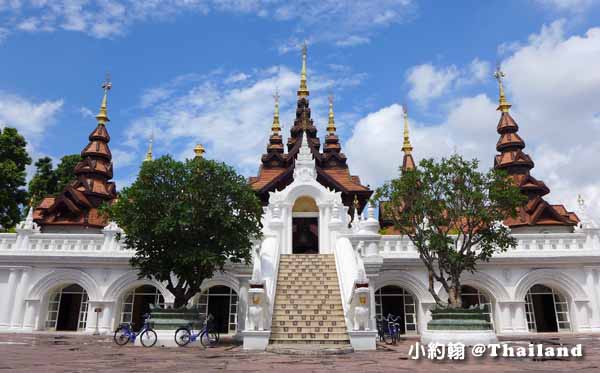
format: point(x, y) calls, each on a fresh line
point(406, 146)
point(303, 91)
point(503, 105)
point(149, 152)
point(102, 116)
point(276, 127)
point(199, 150)
point(331, 124)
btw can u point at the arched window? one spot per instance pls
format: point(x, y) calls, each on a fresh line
point(67, 308)
point(547, 310)
point(222, 303)
point(398, 302)
point(137, 302)
point(474, 297)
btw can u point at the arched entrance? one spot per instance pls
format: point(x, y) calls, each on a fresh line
point(305, 226)
point(137, 302)
point(221, 302)
point(471, 296)
point(67, 308)
point(547, 310)
point(398, 302)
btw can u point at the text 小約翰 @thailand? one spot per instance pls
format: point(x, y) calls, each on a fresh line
point(458, 351)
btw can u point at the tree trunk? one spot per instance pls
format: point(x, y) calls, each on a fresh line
point(454, 296)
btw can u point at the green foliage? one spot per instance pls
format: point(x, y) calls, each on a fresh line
point(186, 220)
point(43, 182)
point(452, 213)
point(65, 171)
point(13, 160)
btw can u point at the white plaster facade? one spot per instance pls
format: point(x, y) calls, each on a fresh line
point(33, 264)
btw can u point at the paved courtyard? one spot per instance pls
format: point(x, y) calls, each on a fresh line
point(76, 353)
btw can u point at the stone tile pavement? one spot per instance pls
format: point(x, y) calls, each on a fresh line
point(49, 352)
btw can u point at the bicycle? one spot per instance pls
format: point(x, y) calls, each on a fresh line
point(124, 334)
point(208, 336)
point(394, 328)
point(382, 330)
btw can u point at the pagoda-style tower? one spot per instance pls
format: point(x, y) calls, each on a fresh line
point(77, 206)
point(518, 164)
point(276, 170)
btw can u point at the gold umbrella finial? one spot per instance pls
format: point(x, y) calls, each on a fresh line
point(503, 105)
point(303, 91)
point(102, 116)
point(406, 146)
point(331, 124)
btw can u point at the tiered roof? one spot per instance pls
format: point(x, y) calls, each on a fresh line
point(78, 204)
point(276, 170)
point(518, 164)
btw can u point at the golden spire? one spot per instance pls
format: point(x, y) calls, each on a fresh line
point(303, 91)
point(331, 124)
point(406, 146)
point(503, 105)
point(199, 150)
point(149, 152)
point(276, 127)
point(102, 116)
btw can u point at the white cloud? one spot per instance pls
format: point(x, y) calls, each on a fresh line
point(29, 117)
point(572, 6)
point(428, 82)
point(326, 20)
point(352, 41)
point(553, 82)
point(232, 121)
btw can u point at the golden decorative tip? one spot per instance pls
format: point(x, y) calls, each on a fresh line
point(331, 124)
point(276, 127)
point(199, 150)
point(303, 91)
point(149, 152)
point(102, 116)
point(406, 146)
point(503, 105)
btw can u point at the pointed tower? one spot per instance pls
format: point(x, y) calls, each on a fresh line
point(518, 164)
point(332, 141)
point(277, 168)
point(408, 163)
point(77, 206)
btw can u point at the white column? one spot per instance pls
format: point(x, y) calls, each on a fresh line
point(592, 289)
point(32, 313)
point(10, 296)
point(19, 300)
point(504, 319)
point(519, 320)
point(243, 306)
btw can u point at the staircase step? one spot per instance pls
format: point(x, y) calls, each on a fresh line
point(343, 336)
point(308, 329)
point(282, 321)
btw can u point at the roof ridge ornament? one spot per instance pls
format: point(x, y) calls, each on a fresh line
point(503, 104)
point(102, 116)
point(150, 143)
point(406, 146)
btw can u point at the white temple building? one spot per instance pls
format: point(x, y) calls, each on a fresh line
point(64, 270)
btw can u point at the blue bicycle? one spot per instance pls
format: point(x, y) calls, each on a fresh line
point(208, 336)
point(388, 329)
point(125, 334)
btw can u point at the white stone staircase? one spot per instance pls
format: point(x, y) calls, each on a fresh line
point(308, 308)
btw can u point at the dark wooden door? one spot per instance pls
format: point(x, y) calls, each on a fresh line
point(305, 235)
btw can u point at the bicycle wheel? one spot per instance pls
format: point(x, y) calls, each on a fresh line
point(182, 336)
point(148, 338)
point(121, 336)
point(209, 339)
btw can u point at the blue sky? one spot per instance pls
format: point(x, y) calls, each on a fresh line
point(204, 71)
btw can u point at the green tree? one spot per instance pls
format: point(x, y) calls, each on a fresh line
point(453, 215)
point(186, 220)
point(13, 160)
point(65, 171)
point(43, 182)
